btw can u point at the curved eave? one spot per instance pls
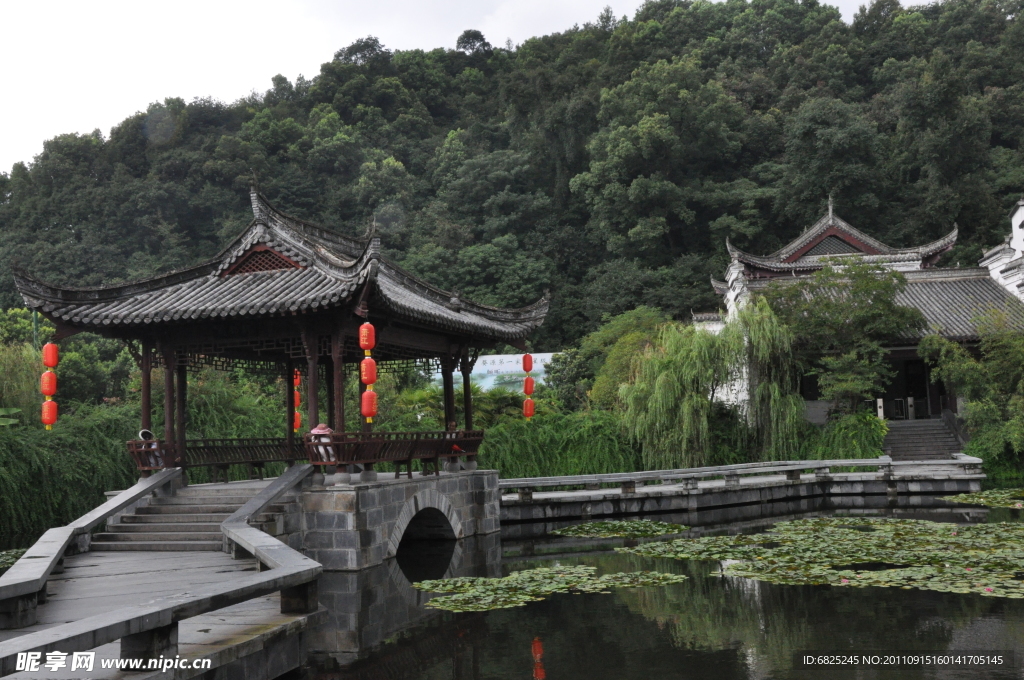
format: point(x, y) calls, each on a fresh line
point(720, 287)
point(934, 248)
point(410, 297)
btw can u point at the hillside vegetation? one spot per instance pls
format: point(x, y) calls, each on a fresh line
point(607, 163)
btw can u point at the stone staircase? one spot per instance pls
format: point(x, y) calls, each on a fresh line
point(928, 439)
point(189, 520)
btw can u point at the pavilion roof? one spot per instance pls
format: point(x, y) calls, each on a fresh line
point(279, 266)
point(832, 236)
point(954, 301)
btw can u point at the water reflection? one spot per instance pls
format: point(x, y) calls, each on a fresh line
point(709, 626)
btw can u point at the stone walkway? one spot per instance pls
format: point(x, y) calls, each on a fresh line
point(98, 582)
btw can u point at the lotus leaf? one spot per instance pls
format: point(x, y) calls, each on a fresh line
point(8, 558)
point(635, 528)
point(993, 498)
point(470, 594)
point(858, 552)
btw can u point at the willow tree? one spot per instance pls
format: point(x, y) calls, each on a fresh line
point(775, 409)
point(682, 384)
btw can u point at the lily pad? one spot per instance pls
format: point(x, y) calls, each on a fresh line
point(518, 588)
point(898, 553)
point(993, 498)
point(634, 528)
point(9, 557)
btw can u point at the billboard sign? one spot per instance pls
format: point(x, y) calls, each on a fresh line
point(505, 370)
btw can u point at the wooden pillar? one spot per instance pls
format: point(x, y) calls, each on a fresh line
point(289, 404)
point(169, 362)
point(338, 381)
point(467, 394)
point(181, 418)
point(449, 390)
point(309, 339)
point(146, 366)
point(329, 378)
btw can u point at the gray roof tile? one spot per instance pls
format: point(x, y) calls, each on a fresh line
point(334, 268)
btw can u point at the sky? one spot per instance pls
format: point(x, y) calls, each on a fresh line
point(79, 66)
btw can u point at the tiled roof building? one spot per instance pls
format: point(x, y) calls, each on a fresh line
point(954, 300)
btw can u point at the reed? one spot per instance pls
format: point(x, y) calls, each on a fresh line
point(555, 444)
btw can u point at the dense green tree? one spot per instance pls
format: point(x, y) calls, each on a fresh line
point(842, 317)
point(607, 163)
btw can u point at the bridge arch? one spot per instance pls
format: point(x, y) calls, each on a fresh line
point(431, 509)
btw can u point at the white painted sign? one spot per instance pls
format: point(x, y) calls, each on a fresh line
point(505, 370)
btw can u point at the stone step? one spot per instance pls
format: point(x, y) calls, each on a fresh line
point(135, 528)
point(200, 500)
point(161, 546)
point(190, 509)
point(176, 518)
point(145, 537)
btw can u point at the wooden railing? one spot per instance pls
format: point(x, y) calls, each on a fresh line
point(158, 455)
point(222, 452)
point(152, 454)
point(340, 448)
point(400, 448)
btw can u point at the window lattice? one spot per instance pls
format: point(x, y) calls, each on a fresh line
point(261, 261)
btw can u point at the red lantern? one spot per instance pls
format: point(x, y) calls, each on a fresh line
point(368, 371)
point(537, 647)
point(51, 355)
point(48, 383)
point(298, 398)
point(527, 363)
point(369, 404)
point(367, 337)
point(529, 408)
point(297, 421)
point(49, 413)
point(528, 386)
point(538, 672)
point(297, 378)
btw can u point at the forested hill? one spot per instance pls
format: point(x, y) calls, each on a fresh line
point(607, 163)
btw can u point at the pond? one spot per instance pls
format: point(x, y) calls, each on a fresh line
point(710, 625)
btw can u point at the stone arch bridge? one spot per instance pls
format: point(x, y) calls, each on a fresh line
point(350, 527)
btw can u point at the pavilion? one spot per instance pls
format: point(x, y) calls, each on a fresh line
point(285, 295)
point(953, 300)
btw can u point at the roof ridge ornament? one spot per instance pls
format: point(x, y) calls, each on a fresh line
point(455, 304)
point(259, 211)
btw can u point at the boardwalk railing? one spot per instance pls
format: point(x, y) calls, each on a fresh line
point(689, 477)
point(149, 630)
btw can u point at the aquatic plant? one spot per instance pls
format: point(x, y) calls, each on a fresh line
point(993, 498)
point(634, 528)
point(860, 551)
point(470, 594)
point(8, 558)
